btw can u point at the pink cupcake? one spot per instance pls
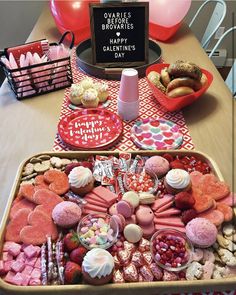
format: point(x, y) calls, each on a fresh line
point(81, 180)
point(97, 267)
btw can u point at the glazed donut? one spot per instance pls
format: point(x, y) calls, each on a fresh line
point(154, 78)
point(178, 82)
point(204, 80)
point(180, 91)
point(185, 69)
point(165, 77)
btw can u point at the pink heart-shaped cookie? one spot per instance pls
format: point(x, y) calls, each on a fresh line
point(14, 227)
point(58, 181)
point(40, 226)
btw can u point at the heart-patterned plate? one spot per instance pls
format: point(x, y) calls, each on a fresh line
point(156, 134)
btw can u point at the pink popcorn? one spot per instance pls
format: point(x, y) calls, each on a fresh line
point(18, 266)
point(21, 257)
point(26, 279)
point(7, 265)
point(6, 256)
point(12, 248)
point(2, 269)
point(38, 263)
point(30, 251)
point(27, 270)
point(31, 261)
point(36, 273)
point(17, 279)
point(34, 282)
point(9, 277)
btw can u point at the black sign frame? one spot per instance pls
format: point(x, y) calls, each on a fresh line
point(142, 48)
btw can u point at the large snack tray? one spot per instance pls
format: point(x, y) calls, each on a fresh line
point(158, 287)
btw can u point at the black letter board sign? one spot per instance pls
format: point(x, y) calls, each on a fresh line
point(119, 33)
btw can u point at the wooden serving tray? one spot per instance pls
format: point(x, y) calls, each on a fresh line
point(84, 60)
point(147, 288)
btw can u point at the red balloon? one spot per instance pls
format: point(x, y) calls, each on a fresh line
point(72, 16)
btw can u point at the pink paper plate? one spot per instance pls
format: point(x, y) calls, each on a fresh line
point(156, 134)
point(90, 129)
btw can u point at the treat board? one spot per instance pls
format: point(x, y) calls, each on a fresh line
point(119, 33)
point(140, 288)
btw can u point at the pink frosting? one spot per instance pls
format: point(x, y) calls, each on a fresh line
point(66, 214)
point(201, 232)
point(158, 165)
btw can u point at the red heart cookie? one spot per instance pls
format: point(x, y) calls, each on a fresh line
point(46, 200)
point(23, 203)
point(202, 201)
point(40, 182)
point(58, 181)
point(14, 227)
point(27, 191)
point(210, 185)
point(40, 226)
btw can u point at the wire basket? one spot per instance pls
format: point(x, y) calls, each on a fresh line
point(39, 78)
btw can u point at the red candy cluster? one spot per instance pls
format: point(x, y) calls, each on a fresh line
point(170, 250)
point(139, 182)
point(188, 163)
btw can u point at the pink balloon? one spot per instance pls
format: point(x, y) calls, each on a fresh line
point(168, 13)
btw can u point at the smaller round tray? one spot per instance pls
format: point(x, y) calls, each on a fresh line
point(84, 60)
point(156, 134)
point(90, 129)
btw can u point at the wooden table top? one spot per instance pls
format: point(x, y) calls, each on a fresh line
point(29, 126)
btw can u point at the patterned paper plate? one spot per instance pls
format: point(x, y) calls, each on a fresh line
point(90, 129)
point(156, 134)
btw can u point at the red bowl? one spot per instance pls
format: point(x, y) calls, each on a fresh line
point(174, 104)
point(162, 33)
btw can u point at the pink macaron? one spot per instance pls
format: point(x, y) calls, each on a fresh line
point(144, 215)
point(124, 208)
point(120, 220)
point(112, 210)
point(148, 230)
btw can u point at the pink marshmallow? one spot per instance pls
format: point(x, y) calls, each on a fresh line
point(21, 257)
point(17, 279)
point(27, 270)
point(38, 263)
point(7, 265)
point(17, 266)
point(26, 279)
point(12, 247)
point(6, 256)
point(36, 273)
point(34, 282)
point(30, 251)
point(31, 261)
point(9, 277)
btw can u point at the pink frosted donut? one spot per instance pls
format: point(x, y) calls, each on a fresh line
point(158, 165)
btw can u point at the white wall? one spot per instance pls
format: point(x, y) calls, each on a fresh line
point(17, 19)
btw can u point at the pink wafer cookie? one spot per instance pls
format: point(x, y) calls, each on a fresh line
point(95, 208)
point(171, 221)
point(168, 213)
point(94, 197)
point(105, 194)
point(162, 201)
point(96, 203)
